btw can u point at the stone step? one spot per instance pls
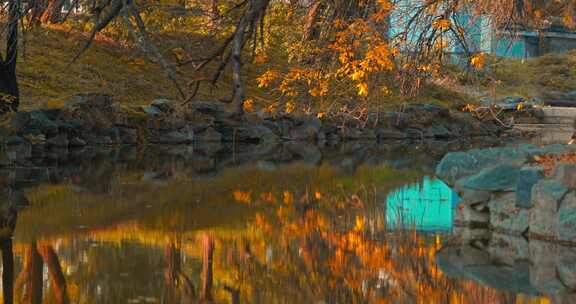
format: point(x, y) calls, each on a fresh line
point(545, 126)
point(558, 115)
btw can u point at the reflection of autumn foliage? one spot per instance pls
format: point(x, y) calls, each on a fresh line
point(346, 256)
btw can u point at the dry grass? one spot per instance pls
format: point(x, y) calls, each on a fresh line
point(47, 77)
point(542, 77)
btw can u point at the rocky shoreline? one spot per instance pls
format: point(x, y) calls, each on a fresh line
point(516, 219)
point(508, 191)
point(94, 120)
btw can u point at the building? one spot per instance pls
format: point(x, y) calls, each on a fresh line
point(481, 36)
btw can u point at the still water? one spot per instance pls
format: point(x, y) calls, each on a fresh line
point(288, 225)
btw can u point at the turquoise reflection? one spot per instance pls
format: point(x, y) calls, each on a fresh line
point(427, 206)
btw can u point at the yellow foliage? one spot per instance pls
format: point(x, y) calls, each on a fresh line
point(362, 89)
point(478, 61)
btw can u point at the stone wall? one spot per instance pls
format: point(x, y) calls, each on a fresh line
point(506, 190)
point(94, 120)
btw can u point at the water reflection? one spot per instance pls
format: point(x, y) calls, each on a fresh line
point(151, 230)
point(427, 206)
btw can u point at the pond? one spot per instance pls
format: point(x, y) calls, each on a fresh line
point(347, 224)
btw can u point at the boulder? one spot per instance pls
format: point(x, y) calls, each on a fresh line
point(77, 142)
point(499, 178)
point(128, 136)
point(209, 135)
point(438, 131)
point(40, 121)
point(151, 111)
point(358, 134)
point(164, 105)
point(20, 121)
point(472, 197)
point(251, 133)
point(565, 173)
point(390, 134)
point(97, 100)
point(466, 215)
point(543, 267)
point(60, 140)
point(566, 266)
point(505, 216)
point(308, 129)
point(566, 218)
point(546, 195)
point(174, 138)
point(469, 262)
point(212, 108)
point(527, 178)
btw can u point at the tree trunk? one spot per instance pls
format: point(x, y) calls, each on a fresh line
point(311, 30)
point(9, 94)
point(243, 30)
point(53, 12)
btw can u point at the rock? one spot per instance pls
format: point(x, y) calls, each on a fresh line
point(210, 135)
point(98, 139)
point(16, 140)
point(506, 248)
point(471, 197)
point(439, 131)
point(60, 140)
point(505, 216)
point(20, 121)
point(39, 120)
point(175, 137)
point(566, 218)
point(77, 142)
point(414, 133)
point(253, 133)
point(527, 178)
point(395, 120)
point(469, 262)
point(91, 111)
point(128, 136)
point(97, 100)
point(151, 111)
point(164, 105)
point(543, 267)
point(358, 134)
point(566, 174)
point(466, 215)
point(545, 197)
point(566, 266)
point(213, 108)
point(454, 166)
point(309, 129)
point(500, 178)
point(387, 134)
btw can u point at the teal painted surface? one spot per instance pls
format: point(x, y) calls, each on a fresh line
point(428, 206)
point(507, 47)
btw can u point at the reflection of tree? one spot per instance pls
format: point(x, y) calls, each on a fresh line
point(207, 256)
point(29, 284)
point(8, 217)
point(174, 275)
point(55, 272)
point(7, 269)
